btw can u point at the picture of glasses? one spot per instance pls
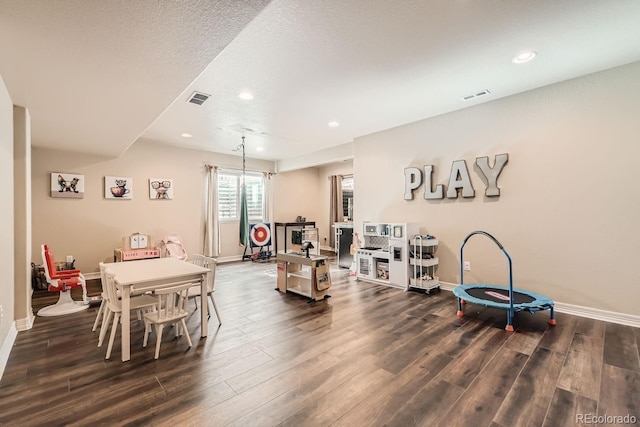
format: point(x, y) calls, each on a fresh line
point(157, 184)
point(160, 189)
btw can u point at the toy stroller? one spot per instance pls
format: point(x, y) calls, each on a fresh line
point(173, 247)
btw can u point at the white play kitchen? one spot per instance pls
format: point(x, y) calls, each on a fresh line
point(387, 256)
point(384, 256)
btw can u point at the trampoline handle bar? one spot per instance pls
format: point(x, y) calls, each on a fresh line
point(484, 233)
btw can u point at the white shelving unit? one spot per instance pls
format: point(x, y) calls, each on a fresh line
point(422, 258)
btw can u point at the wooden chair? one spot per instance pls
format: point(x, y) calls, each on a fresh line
point(103, 310)
point(194, 292)
point(171, 302)
point(62, 281)
point(114, 306)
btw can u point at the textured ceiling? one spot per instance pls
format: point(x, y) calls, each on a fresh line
point(95, 75)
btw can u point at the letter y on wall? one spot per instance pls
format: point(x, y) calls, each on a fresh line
point(491, 174)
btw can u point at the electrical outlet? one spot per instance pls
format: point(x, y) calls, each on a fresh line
point(467, 266)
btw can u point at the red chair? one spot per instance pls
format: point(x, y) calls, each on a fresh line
point(62, 281)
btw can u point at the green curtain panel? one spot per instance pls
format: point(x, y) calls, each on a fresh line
point(244, 216)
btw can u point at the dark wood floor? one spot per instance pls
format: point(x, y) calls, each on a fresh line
point(368, 356)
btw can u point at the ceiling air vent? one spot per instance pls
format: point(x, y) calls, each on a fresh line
point(476, 95)
point(198, 98)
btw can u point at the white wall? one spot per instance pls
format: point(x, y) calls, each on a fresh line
point(7, 298)
point(22, 214)
point(90, 228)
point(305, 192)
point(324, 172)
point(295, 194)
point(568, 212)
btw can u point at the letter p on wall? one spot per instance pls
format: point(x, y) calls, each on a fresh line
point(412, 180)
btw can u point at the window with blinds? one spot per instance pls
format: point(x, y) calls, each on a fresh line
point(228, 196)
point(229, 183)
point(347, 197)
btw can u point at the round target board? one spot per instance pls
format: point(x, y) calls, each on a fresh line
point(260, 235)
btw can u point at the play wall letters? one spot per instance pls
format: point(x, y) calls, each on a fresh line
point(459, 179)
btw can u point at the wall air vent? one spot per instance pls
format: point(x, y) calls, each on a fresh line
point(476, 95)
point(198, 98)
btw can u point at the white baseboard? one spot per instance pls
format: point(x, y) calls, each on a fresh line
point(447, 286)
point(578, 310)
point(7, 345)
point(25, 324)
point(598, 314)
point(233, 258)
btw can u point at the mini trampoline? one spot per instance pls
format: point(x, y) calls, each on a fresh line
point(503, 297)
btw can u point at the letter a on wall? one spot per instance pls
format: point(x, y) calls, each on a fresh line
point(459, 178)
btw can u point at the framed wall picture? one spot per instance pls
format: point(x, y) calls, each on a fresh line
point(118, 187)
point(67, 185)
point(160, 188)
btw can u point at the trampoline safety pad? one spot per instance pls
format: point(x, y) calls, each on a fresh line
point(498, 297)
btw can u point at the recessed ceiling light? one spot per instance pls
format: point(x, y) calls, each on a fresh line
point(186, 135)
point(259, 149)
point(333, 124)
point(523, 57)
point(246, 95)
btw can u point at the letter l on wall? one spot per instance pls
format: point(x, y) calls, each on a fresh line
point(428, 194)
